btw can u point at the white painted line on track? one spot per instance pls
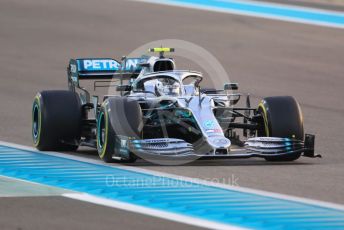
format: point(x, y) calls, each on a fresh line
point(151, 212)
point(187, 179)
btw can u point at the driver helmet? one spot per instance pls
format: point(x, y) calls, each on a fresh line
point(167, 88)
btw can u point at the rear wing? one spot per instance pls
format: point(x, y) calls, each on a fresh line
point(103, 68)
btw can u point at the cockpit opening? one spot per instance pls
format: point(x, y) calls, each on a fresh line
point(163, 65)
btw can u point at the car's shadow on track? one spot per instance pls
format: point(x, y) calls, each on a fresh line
point(92, 154)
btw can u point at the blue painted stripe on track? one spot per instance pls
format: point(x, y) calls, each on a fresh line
point(268, 10)
point(211, 203)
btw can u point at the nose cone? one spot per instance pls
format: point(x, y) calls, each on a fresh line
point(219, 142)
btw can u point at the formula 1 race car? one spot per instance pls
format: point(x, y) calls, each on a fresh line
point(158, 111)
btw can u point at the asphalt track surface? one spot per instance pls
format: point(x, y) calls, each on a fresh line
point(266, 57)
point(320, 4)
point(55, 212)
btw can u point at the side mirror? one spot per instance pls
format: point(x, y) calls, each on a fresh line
point(231, 86)
point(144, 65)
point(123, 88)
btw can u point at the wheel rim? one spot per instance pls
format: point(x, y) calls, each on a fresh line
point(36, 120)
point(101, 131)
point(263, 112)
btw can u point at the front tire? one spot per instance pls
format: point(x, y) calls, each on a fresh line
point(56, 120)
point(117, 116)
point(282, 117)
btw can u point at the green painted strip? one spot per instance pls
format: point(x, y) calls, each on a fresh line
point(10, 187)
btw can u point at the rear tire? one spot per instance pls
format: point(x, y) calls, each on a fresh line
point(117, 116)
point(56, 120)
point(282, 117)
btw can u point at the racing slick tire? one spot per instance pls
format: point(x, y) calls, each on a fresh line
point(117, 116)
point(56, 120)
point(282, 117)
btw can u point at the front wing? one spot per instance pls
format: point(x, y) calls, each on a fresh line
point(254, 147)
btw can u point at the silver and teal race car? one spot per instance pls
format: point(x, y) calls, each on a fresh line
point(158, 112)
